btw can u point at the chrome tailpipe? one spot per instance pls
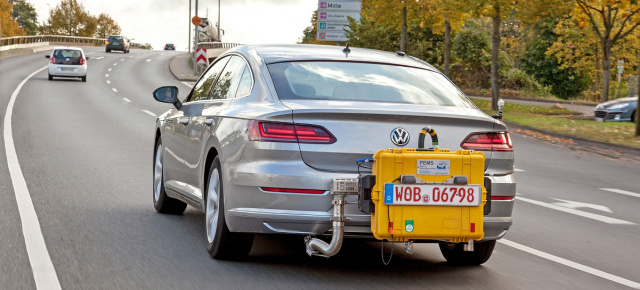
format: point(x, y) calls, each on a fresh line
point(339, 189)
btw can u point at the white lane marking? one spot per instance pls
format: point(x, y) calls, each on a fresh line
point(114, 90)
point(106, 75)
point(109, 69)
point(130, 56)
point(571, 264)
point(122, 59)
point(597, 217)
point(99, 57)
point(44, 273)
point(620, 191)
point(148, 59)
point(115, 63)
point(519, 170)
point(126, 100)
point(576, 204)
point(187, 84)
point(150, 113)
point(108, 82)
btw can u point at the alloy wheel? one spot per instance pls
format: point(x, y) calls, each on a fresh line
point(213, 205)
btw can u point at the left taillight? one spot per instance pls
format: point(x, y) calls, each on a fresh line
point(52, 60)
point(82, 61)
point(488, 141)
point(288, 132)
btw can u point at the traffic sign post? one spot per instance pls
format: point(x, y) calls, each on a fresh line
point(201, 56)
point(333, 19)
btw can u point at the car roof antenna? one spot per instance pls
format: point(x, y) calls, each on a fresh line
point(346, 50)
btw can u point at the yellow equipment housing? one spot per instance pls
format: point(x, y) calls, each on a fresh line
point(427, 222)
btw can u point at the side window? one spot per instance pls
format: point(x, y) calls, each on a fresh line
point(245, 83)
point(227, 85)
point(202, 88)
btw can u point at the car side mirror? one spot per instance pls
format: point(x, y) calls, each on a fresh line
point(47, 56)
point(168, 94)
point(87, 58)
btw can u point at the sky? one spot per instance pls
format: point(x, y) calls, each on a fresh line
point(167, 21)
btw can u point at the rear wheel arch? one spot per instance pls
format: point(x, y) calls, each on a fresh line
point(211, 154)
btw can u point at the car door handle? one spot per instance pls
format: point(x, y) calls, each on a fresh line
point(185, 121)
point(169, 121)
point(208, 122)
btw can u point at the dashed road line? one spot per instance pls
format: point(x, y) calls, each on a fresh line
point(108, 82)
point(519, 170)
point(44, 273)
point(620, 191)
point(106, 75)
point(122, 59)
point(148, 59)
point(601, 218)
point(150, 113)
point(115, 63)
point(109, 69)
point(126, 100)
point(114, 90)
point(187, 84)
point(571, 264)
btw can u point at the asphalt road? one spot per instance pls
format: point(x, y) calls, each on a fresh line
point(85, 151)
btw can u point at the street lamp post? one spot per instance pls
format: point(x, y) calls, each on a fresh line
point(219, 36)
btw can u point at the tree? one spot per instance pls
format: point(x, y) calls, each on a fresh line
point(70, 18)
point(8, 26)
point(106, 26)
point(26, 15)
point(612, 21)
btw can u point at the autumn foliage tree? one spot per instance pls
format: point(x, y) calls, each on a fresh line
point(8, 25)
point(106, 26)
point(612, 21)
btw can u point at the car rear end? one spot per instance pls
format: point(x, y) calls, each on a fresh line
point(342, 111)
point(116, 43)
point(67, 62)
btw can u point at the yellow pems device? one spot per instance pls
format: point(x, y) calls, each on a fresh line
point(433, 194)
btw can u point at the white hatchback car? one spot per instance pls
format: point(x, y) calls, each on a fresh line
point(68, 62)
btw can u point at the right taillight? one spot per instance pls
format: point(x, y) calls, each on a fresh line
point(288, 132)
point(488, 141)
point(52, 60)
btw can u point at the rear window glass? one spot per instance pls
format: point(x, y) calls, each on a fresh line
point(365, 82)
point(67, 53)
point(115, 38)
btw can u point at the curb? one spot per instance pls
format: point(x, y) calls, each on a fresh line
point(176, 76)
point(586, 144)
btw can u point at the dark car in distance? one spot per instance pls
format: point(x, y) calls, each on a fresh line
point(117, 42)
point(169, 46)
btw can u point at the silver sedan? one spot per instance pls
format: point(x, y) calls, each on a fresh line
point(265, 129)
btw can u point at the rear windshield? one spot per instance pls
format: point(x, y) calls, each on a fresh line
point(115, 38)
point(365, 82)
point(67, 56)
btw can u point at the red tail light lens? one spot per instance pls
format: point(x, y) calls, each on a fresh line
point(52, 60)
point(82, 61)
point(293, 190)
point(123, 43)
point(488, 141)
point(287, 132)
point(507, 198)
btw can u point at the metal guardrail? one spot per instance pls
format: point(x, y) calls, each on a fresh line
point(213, 45)
point(57, 39)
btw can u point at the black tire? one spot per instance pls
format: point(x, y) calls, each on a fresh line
point(50, 77)
point(84, 79)
point(161, 202)
point(221, 243)
point(108, 50)
point(634, 116)
point(455, 254)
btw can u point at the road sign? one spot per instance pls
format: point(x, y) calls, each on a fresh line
point(201, 56)
point(196, 20)
point(333, 19)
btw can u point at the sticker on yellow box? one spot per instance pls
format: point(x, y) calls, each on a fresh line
point(408, 226)
point(433, 167)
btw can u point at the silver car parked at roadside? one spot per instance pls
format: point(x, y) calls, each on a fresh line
point(265, 129)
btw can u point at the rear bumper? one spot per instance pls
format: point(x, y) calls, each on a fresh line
point(68, 70)
point(251, 209)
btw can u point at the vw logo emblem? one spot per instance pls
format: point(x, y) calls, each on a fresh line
point(400, 137)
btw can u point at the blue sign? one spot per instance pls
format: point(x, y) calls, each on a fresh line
point(388, 193)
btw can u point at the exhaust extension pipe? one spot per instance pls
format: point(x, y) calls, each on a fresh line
point(339, 189)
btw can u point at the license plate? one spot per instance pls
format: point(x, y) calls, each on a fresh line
point(599, 119)
point(66, 69)
point(432, 194)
